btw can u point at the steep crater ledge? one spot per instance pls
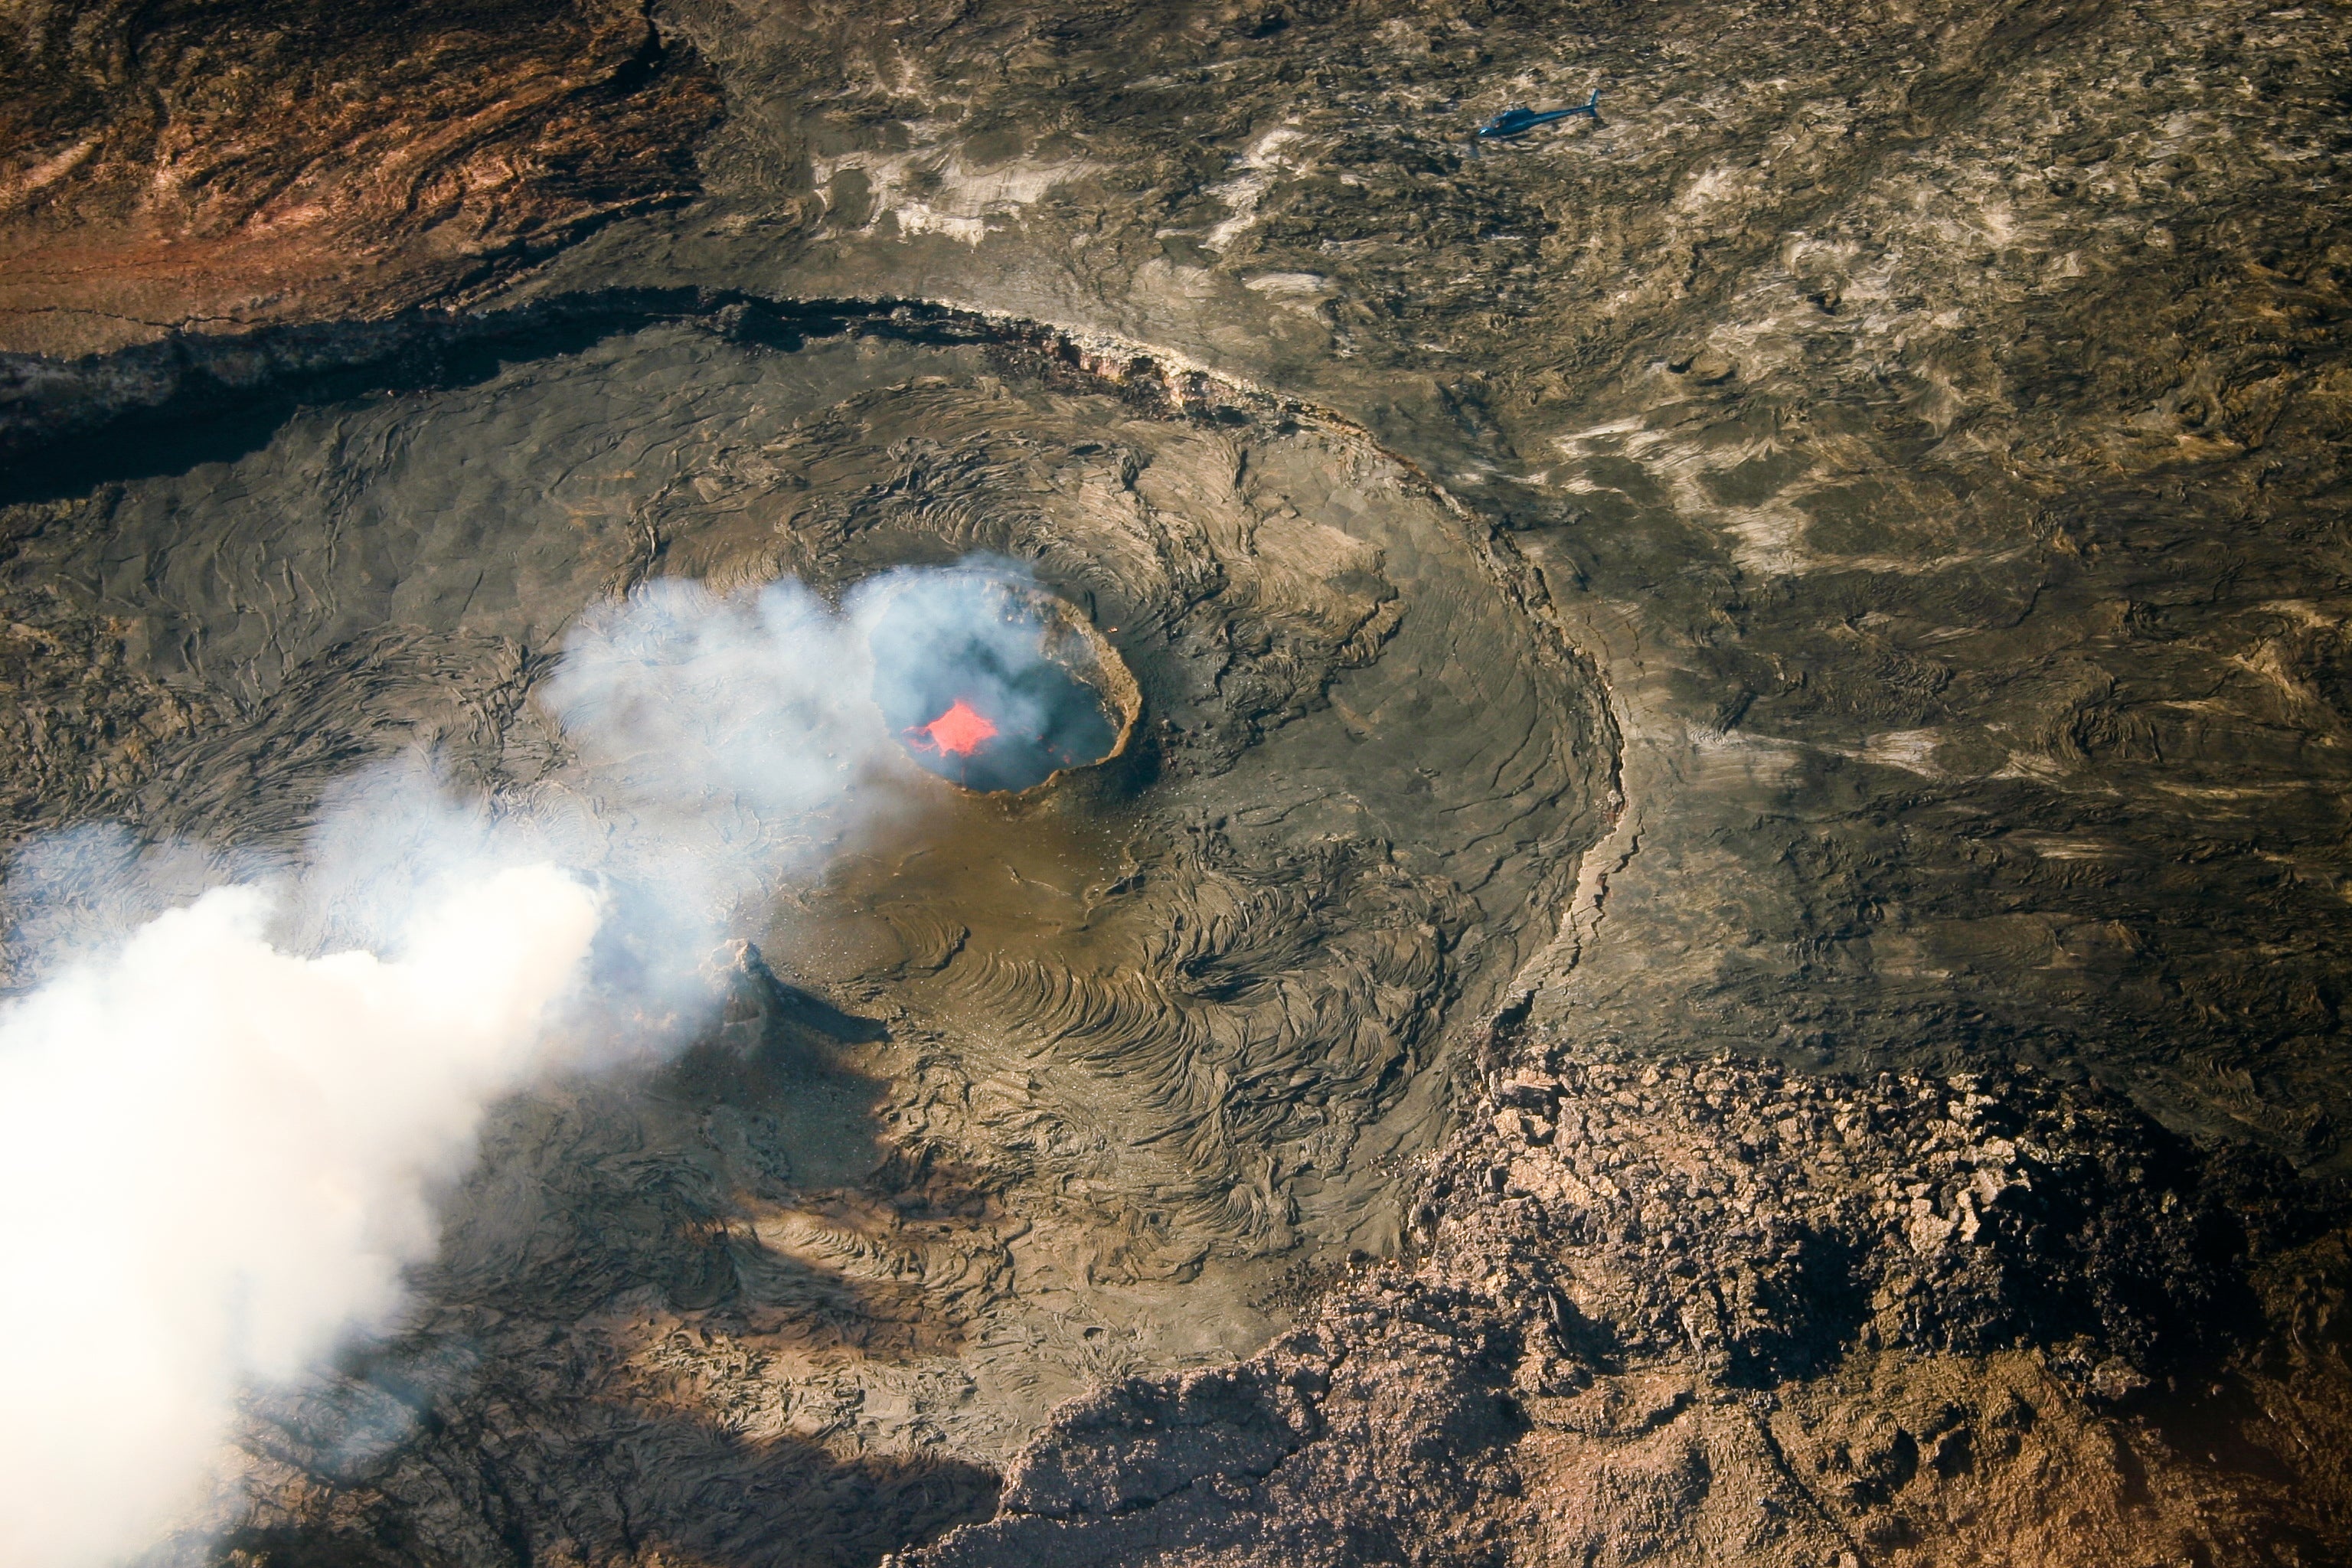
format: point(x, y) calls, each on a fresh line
point(1017, 1095)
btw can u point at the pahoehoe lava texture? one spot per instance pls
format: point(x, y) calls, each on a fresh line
point(1927, 419)
point(1095, 1079)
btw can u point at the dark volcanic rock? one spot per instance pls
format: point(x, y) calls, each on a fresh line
point(1914, 438)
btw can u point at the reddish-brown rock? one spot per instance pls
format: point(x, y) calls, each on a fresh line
point(198, 164)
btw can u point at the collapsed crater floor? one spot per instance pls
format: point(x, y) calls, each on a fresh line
point(1014, 1096)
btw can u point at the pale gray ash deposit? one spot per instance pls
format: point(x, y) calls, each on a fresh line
point(1665, 878)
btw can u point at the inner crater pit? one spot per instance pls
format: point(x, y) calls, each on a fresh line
point(995, 684)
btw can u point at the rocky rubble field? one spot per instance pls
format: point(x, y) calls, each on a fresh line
point(1710, 1312)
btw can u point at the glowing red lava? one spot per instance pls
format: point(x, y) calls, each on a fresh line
point(958, 733)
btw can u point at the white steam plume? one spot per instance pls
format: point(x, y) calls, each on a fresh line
point(216, 1159)
point(219, 1150)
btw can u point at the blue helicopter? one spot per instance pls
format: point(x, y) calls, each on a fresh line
point(1519, 121)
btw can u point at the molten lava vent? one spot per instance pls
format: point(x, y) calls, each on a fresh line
point(961, 731)
point(992, 683)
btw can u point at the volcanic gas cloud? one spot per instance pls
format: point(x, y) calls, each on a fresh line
point(974, 669)
point(232, 1143)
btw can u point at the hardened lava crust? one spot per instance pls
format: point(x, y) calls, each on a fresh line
point(1724, 938)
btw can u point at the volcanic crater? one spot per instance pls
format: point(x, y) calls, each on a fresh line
point(1755, 974)
point(1078, 1067)
point(1019, 688)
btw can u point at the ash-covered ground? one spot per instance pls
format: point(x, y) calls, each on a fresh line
point(1729, 935)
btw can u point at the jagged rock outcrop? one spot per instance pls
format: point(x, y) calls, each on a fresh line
point(1699, 1312)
